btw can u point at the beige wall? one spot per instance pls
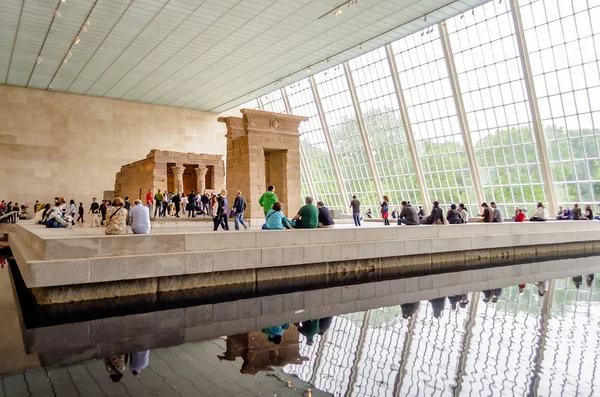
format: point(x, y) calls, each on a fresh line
point(57, 144)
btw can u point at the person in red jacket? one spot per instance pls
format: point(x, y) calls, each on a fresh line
point(149, 201)
point(520, 217)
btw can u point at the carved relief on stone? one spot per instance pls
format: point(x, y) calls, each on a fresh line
point(276, 123)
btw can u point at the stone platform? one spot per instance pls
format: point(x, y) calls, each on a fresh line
point(83, 263)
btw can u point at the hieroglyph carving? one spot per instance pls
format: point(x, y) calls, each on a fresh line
point(276, 123)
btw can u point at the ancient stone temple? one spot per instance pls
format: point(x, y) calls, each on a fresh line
point(263, 149)
point(172, 171)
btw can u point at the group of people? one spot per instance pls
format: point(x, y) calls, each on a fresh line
point(576, 213)
point(309, 329)
point(169, 203)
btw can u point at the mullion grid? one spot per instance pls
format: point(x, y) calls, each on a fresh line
point(304, 188)
point(430, 103)
point(313, 142)
point(252, 104)
point(580, 66)
point(385, 130)
point(273, 102)
point(491, 118)
point(345, 135)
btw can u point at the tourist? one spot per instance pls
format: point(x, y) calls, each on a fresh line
point(72, 208)
point(492, 295)
point(454, 301)
point(487, 215)
point(420, 213)
point(222, 212)
point(205, 200)
point(239, 206)
point(276, 220)
point(520, 216)
point(464, 214)
point(165, 205)
point(577, 280)
point(409, 309)
point(138, 361)
point(38, 206)
point(497, 215)
point(95, 211)
point(191, 205)
point(116, 218)
point(274, 334)
point(140, 218)
point(395, 213)
point(436, 216)
point(81, 211)
point(385, 210)
point(542, 287)
point(308, 215)
point(577, 215)
point(589, 213)
point(103, 208)
point(268, 198)
point(38, 216)
point(54, 219)
point(325, 218)
point(149, 201)
point(176, 199)
point(355, 205)
point(589, 280)
point(452, 216)
point(158, 201)
point(521, 288)
point(560, 212)
point(408, 216)
point(324, 324)
point(369, 214)
point(437, 306)
point(309, 329)
point(540, 214)
point(116, 366)
point(565, 216)
point(127, 205)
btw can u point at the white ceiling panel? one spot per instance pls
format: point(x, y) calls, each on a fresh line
point(202, 54)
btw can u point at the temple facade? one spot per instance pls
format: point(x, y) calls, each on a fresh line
point(171, 171)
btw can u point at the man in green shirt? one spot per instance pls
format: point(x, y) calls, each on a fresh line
point(308, 216)
point(158, 199)
point(268, 199)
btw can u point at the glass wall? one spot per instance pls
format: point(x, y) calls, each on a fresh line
point(489, 71)
point(563, 50)
point(432, 111)
point(563, 41)
point(381, 113)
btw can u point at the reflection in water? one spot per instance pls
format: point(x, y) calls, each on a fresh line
point(530, 339)
point(117, 365)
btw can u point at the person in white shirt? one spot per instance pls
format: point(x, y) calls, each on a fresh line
point(140, 218)
point(540, 214)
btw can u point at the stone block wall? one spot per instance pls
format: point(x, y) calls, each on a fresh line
point(72, 145)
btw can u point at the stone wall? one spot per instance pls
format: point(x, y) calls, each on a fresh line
point(71, 145)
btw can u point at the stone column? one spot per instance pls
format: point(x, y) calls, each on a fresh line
point(201, 178)
point(178, 174)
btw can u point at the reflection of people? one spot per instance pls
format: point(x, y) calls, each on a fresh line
point(116, 366)
point(589, 280)
point(138, 361)
point(437, 306)
point(324, 324)
point(577, 280)
point(492, 295)
point(309, 329)
point(454, 301)
point(275, 333)
point(409, 309)
point(542, 287)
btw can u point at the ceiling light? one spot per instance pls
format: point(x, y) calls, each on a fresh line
point(308, 69)
point(62, 1)
point(57, 14)
point(69, 54)
point(338, 11)
point(87, 22)
point(65, 60)
point(39, 60)
point(84, 29)
point(77, 40)
point(425, 19)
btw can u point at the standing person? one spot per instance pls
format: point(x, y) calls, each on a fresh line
point(116, 218)
point(95, 211)
point(268, 198)
point(149, 201)
point(165, 205)
point(127, 205)
point(355, 205)
point(222, 212)
point(158, 201)
point(81, 211)
point(497, 215)
point(385, 208)
point(325, 218)
point(37, 207)
point(205, 200)
point(103, 208)
point(239, 206)
point(72, 208)
point(177, 202)
point(191, 205)
point(464, 214)
point(487, 215)
point(408, 215)
point(540, 214)
point(140, 218)
point(452, 216)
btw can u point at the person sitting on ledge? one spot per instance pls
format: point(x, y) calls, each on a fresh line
point(520, 217)
point(116, 218)
point(497, 215)
point(464, 214)
point(276, 220)
point(140, 218)
point(487, 215)
point(54, 219)
point(436, 217)
point(540, 214)
point(408, 216)
point(589, 213)
point(577, 215)
point(325, 218)
point(452, 216)
point(565, 216)
point(308, 216)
